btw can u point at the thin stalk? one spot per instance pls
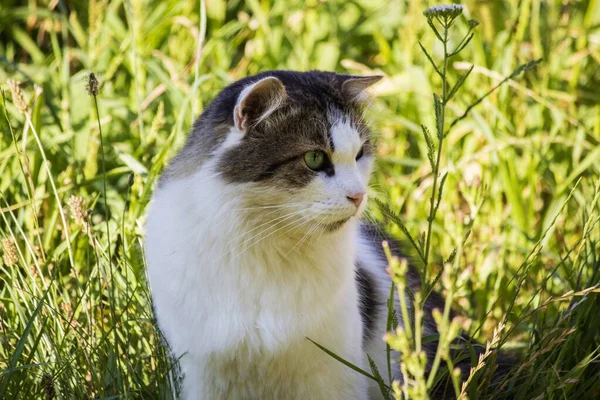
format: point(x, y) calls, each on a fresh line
point(405, 314)
point(27, 244)
point(455, 377)
point(389, 329)
point(424, 282)
point(106, 218)
point(438, 354)
point(199, 47)
point(103, 176)
point(131, 18)
point(54, 190)
point(29, 186)
point(418, 312)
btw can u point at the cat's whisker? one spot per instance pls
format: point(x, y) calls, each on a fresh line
point(369, 216)
point(308, 232)
point(322, 230)
point(312, 230)
point(270, 222)
point(263, 238)
point(290, 205)
point(299, 244)
point(269, 225)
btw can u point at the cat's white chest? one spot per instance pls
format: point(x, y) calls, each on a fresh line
point(239, 316)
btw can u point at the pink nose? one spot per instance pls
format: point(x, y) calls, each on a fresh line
point(356, 198)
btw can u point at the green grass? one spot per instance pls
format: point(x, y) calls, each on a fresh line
point(523, 171)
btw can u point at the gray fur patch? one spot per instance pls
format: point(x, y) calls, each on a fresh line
point(273, 149)
point(197, 150)
point(370, 305)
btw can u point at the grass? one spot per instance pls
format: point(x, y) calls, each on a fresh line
point(523, 172)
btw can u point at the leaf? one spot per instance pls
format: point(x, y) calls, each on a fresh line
point(439, 196)
point(430, 146)
point(433, 283)
point(375, 370)
point(459, 83)
point(346, 363)
point(436, 69)
point(461, 46)
point(466, 237)
point(430, 338)
point(451, 257)
point(439, 116)
point(388, 211)
point(430, 22)
point(136, 167)
point(524, 67)
point(591, 158)
point(21, 345)
point(395, 320)
point(25, 40)
point(389, 327)
point(327, 55)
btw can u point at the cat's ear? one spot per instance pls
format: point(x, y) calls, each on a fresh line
point(257, 101)
point(354, 87)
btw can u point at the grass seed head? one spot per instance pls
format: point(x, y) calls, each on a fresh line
point(92, 85)
point(48, 382)
point(77, 207)
point(11, 257)
point(17, 95)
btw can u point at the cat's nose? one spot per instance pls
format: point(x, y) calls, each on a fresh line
point(356, 198)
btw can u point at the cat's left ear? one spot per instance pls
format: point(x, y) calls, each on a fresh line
point(354, 87)
point(257, 101)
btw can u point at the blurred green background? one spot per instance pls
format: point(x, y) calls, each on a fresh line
point(75, 319)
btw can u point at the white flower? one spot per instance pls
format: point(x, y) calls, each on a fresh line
point(445, 11)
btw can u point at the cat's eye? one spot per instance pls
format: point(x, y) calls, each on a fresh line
point(315, 160)
point(360, 153)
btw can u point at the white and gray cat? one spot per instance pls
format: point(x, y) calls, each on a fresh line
point(254, 244)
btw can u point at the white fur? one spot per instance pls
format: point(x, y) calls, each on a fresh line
point(241, 276)
point(347, 144)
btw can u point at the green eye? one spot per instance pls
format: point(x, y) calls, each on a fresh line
point(315, 160)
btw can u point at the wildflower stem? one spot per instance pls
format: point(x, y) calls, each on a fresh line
point(455, 375)
point(389, 327)
point(424, 283)
point(438, 354)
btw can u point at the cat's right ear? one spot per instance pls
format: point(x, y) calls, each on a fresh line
point(257, 101)
point(354, 87)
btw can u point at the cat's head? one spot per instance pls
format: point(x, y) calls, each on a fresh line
point(293, 144)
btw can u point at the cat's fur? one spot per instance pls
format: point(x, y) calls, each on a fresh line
point(250, 252)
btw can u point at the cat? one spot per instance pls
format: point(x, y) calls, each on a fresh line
point(255, 244)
